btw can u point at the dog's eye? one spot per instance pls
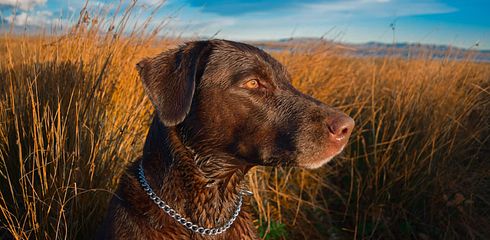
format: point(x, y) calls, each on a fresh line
point(252, 84)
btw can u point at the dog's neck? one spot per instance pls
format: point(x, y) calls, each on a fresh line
point(204, 188)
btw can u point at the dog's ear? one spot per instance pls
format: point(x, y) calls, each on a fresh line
point(169, 80)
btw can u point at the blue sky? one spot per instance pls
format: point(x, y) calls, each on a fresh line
point(458, 23)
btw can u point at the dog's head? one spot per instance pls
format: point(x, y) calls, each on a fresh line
point(233, 99)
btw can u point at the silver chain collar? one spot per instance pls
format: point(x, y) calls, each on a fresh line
point(184, 222)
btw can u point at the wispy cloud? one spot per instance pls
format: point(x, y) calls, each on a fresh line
point(311, 18)
point(378, 8)
point(239, 8)
point(202, 27)
point(22, 4)
point(36, 19)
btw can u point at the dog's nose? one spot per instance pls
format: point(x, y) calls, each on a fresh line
point(341, 127)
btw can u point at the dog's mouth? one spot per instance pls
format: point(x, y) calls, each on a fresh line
point(320, 158)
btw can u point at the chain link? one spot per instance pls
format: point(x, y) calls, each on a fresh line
point(181, 220)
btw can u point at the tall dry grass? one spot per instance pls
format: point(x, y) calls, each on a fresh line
point(73, 114)
point(418, 164)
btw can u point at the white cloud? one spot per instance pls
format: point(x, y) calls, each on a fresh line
point(36, 19)
point(306, 18)
point(378, 8)
point(342, 20)
point(22, 4)
point(212, 23)
point(153, 2)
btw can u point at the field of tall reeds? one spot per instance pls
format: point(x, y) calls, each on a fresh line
point(73, 114)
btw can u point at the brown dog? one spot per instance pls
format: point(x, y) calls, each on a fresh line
point(222, 107)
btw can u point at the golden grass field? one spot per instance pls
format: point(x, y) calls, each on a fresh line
point(73, 114)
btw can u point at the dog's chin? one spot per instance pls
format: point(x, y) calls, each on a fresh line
point(320, 159)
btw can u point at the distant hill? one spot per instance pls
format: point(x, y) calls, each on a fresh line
point(377, 49)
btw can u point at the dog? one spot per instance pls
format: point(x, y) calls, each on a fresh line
point(222, 107)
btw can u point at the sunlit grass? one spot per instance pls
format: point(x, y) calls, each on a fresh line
point(73, 114)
